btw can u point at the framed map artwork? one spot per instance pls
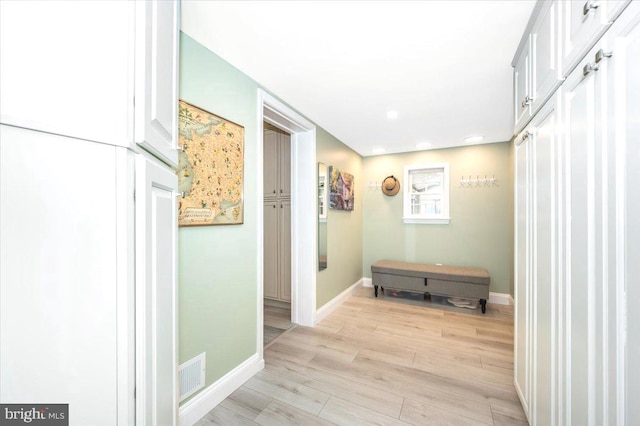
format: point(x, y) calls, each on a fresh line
point(210, 169)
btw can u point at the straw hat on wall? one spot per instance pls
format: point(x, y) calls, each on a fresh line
point(390, 185)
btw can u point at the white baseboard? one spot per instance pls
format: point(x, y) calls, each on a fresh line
point(331, 305)
point(500, 298)
point(366, 282)
point(197, 407)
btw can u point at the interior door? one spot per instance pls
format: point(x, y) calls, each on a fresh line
point(156, 298)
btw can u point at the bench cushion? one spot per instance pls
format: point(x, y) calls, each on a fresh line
point(423, 270)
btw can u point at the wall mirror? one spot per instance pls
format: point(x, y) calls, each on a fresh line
point(322, 216)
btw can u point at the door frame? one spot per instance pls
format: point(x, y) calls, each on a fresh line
point(303, 220)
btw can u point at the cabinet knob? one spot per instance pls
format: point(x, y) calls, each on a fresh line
point(274, 191)
point(588, 68)
point(281, 191)
point(274, 206)
point(601, 54)
point(588, 6)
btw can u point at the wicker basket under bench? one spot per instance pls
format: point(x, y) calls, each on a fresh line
point(440, 280)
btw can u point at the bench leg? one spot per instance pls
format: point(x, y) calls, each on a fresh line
point(375, 290)
point(483, 303)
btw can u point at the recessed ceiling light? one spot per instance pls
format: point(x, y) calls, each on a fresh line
point(392, 115)
point(473, 139)
point(423, 145)
point(377, 150)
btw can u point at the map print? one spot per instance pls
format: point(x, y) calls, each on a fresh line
point(210, 169)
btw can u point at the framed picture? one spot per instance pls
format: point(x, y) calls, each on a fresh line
point(341, 189)
point(210, 169)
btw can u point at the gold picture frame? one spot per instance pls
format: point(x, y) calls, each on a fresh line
point(211, 168)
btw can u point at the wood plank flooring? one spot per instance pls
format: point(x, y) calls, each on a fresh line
point(277, 320)
point(384, 361)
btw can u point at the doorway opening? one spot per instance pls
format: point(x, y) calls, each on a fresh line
point(303, 210)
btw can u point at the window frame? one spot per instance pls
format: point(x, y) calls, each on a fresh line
point(441, 219)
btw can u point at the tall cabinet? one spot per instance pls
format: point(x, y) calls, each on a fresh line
point(88, 226)
point(277, 214)
point(577, 245)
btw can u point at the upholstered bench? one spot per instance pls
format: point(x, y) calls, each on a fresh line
point(440, 280)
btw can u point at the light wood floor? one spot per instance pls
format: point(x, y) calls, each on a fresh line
point(277, 320)
point(384, 361)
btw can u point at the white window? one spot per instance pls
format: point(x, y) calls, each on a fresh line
point(426, 193)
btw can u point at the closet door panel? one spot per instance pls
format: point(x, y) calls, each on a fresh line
point(271, 213)
point(285, 249)
point(581, 239)
point(544, 290)
point(522, 359)
point(624, 295)
point(270, 164)
point(285, 165)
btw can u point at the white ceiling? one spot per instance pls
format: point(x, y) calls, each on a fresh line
point(444, 66)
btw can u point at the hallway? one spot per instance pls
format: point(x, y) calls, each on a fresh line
point(382, 361)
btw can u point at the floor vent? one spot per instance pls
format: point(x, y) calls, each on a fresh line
point(191, 375)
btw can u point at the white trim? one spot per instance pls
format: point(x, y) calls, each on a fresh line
point(428, 221)
point(500, 298)
point(440, 219)
point(198, 407)
point(367, 282)
point(303, 225)
point(331, 305)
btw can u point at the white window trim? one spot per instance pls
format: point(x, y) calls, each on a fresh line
point(442, 219)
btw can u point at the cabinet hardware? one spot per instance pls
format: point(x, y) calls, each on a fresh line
point(527, 101)
point(588, 6)
point(274, 191)
point(274, 206)
point(281, 191)
point(588, 68)
point(281, 206)
point(601, 54)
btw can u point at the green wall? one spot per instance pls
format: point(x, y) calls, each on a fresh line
point(217, 264)
point(479, 231)
point(344, 229)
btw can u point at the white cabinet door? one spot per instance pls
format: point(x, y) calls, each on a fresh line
point(522, 313)
point(270, 243)
point(65, 68)
point(58, 294)
point(522, 89)
point(544, 290)
point(583, 22)
point(544, 55)
point(284, 223)
point(156, 297)
point(156, 83)
point(584, 280)
point(623, 90)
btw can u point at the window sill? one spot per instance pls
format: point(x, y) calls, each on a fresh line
point(427, 221)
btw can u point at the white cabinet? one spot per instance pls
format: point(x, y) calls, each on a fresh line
point(522, 265)
point(536, 71)
point(576, 247)
point(156, 108)
point(61, 282)
point(537, 251)
point(87, 72)
point(583, 23)
point(87, 218)
point(156, 293)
